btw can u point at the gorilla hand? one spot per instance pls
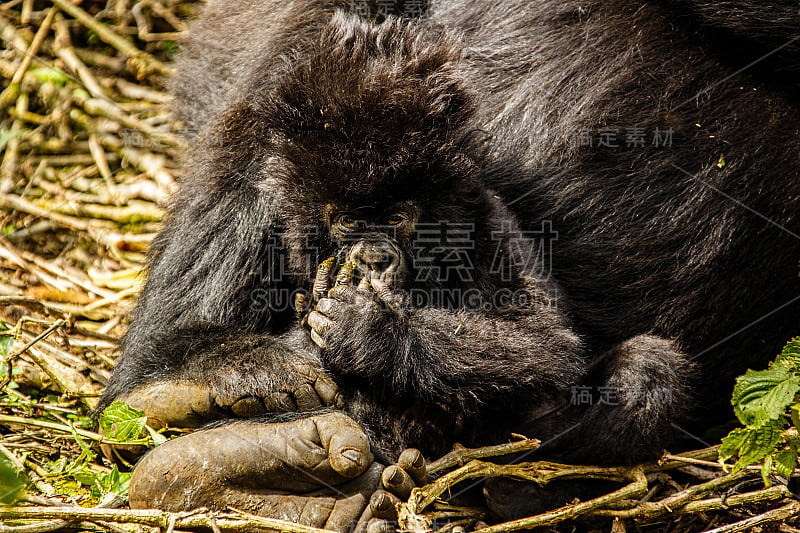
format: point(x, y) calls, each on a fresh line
point(369, 307)
point(247, 377)
point(325, 460)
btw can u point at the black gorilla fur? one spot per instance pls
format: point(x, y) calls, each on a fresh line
point(476, 114)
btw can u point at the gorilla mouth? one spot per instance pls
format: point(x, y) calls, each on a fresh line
point(392, 277)
point(378, 259)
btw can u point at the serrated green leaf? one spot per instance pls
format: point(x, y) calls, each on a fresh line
point(766, 471)
point(122, 422)
point(733, 443)
point(785, 462)
point(759, 444)
point(11, 482)
point(790, 356)
point(764, 395)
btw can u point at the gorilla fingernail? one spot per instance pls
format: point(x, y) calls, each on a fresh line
point(397, 477)
point(382, 502)
point(352, 455)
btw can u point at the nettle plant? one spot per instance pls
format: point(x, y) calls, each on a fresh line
point(767, 403)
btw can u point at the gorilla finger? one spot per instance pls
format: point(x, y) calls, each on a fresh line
point(316, 511)
point(377, 525)
point(344, 293)
point(279, 402)
point(329, 307)
point(351, 514)
point(396, 481)
point(381, 288)
point(328, 392)
point(322, 281)
point(413, 463)
point(364, 284)
point(300, 303)
point(318, 340)
point(175, 403)
point(383, 504)
point(248, 407)
point(319, 322)
point(306, 398)
point(345, 274)
point(348, 447)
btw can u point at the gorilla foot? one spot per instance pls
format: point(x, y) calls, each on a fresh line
point(324, 461)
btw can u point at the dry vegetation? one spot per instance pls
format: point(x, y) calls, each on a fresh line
point(88, 160)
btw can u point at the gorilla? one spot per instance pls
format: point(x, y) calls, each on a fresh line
point(575, 220)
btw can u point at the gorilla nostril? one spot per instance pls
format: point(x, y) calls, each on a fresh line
point(380, 264)
point(374, 257)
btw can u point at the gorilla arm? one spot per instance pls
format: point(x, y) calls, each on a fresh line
point(459, 359)
point(200, 347)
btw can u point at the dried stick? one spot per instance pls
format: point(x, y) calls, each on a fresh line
point(228, 520)
point(460, 455)
point(140, 63)
point(10, 93)
point(775, 515)
point(10, 359)
point(637, 487)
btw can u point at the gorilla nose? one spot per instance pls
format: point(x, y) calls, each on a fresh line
point(374, 257)
point(378, 262)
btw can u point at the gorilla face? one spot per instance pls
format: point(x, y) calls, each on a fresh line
point(375, 240)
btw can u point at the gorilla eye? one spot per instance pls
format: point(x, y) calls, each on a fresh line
point(396, 219)
point(347, 221)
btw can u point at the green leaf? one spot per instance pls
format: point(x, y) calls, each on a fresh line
point(114, 481)
point(733, 443)
point(11, 482)
point(786, 462)
point(85, 476)
point(122, 422)
point(6, 342)
point(157, 437)
point(764, 395)
point(766, 471)
point(760, 443)
point(751, 445)
point(790, 356)
point(83, 422)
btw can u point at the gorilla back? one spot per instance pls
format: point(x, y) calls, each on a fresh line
point(668, 171)
point(661, 138)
